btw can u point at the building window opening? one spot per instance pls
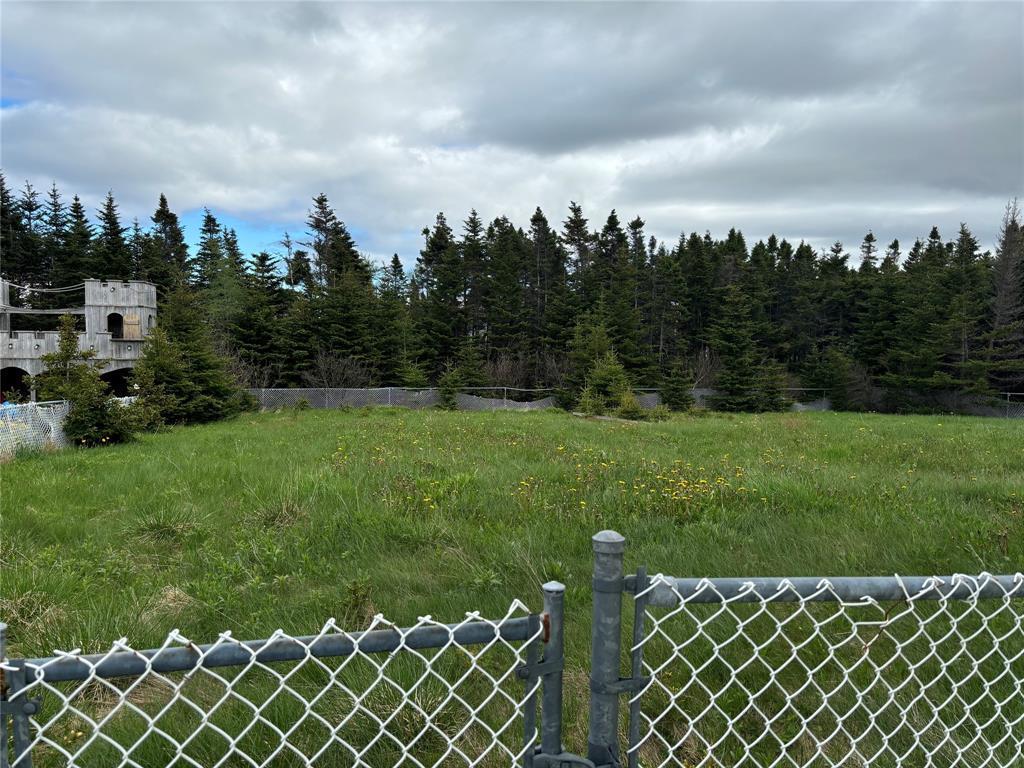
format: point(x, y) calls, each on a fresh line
point(115, 325)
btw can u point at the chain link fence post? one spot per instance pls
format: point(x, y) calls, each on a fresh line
point(606, 648)
point(3, 697)
point(551, 691)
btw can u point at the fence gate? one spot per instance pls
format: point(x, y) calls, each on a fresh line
point(758, 672)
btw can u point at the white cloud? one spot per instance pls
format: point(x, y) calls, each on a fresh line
point(816, 120)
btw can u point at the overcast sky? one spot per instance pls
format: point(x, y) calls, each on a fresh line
point(812, 120)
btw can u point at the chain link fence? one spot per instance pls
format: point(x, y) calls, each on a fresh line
point(428, 695)
point(32, 426)
point(35, 426)
point(798, 672)
point(467, 399)
point(827, 672)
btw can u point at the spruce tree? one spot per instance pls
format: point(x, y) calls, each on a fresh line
point(254, 334)
point(165, 254)
point(94, 417)
point(393, 327)
point(739, 379)
point(473, 252)
point(1004, 342)
point(439, 317)
point(210, 254)
point(54, 235)
point(204, 389)
point(970, 289)
point(76, 255)
point(111, 255)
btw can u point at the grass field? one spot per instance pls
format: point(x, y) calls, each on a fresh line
point(285, 519)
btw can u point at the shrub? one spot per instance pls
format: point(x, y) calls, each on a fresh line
point(659, 412)
point(449, 385)
point(94, 418)
point(590, 403)
point(629, 407)
point(608, 379)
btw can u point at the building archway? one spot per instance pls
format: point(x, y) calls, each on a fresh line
point(118, 381)
point(14, 384)
point(115, 325)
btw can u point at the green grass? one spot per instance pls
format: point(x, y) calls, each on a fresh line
point(286, 519)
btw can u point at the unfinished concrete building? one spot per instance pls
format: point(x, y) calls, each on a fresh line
point(118, 316)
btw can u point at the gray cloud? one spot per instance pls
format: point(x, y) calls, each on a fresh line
point(816, 120)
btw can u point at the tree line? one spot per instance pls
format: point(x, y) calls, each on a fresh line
point(540, 307)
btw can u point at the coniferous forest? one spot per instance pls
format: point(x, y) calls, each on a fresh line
point(533, 304)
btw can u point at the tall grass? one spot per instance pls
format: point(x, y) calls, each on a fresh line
point(283, 520)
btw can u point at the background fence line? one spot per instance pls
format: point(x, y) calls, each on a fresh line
point(33, 426)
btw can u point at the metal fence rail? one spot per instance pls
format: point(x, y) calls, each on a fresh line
point(431, 694)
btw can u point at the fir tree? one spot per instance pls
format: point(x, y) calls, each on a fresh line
point(112, 258)
point(741, 384)
point(204, 389)
point(210, 254)
point(165, 255)
point(1004, 341)
point(76, 255)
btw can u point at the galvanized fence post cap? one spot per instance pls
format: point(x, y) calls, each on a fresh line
point(555, 587)
point(609, 542)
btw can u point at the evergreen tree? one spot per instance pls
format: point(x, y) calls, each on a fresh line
point(970, 289)
point(254, 334)
point(508, 319)
point(76, 255)
point(1004, 342)
point(12, 229)
point(27, 259)
point(210, 254)
point(579, 243)
point(111, 256)
point(334, 250)
point(744, 382)
point(203, 389)
point(439, 318)
point(677, 387)
point(590, 343)
point(54, 235)
point(73, 375)
point(164, 259)
point(473, 252)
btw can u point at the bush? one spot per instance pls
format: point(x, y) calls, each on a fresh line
point(608, 379)
point(629, 407)
point(590, 403)
point(449, 385)
point(659, 412)
point(94, 418)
